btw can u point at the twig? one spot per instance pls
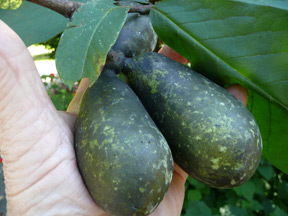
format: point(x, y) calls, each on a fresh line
point(63, 7)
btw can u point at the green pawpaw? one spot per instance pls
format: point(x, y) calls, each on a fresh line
point(137, 36)
point(123, 158)
point(212, 136)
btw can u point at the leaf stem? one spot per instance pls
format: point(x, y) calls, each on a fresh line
point(63, 7)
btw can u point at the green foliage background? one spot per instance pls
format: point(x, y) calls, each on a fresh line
point(10, 4)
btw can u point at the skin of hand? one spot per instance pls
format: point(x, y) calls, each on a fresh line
point(36, 143)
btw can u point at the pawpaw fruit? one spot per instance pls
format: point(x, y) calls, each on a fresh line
point(212, 135)
point(136, 36)
point(123, 158)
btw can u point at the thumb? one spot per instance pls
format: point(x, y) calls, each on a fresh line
point(26, 113)
point(21, 88)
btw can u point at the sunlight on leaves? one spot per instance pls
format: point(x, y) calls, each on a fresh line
point(10, 4)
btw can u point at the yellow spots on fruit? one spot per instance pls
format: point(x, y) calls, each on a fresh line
point(153, 83)
point(160, 72)
point(142, 190)
point(84, 142)
point(108, 130)
point(215, 162)
point(233, 182)
point(222, 149)
point(247, 134)
point(251, 167)
point(195, 88)
point(238, 166)
point(252, 132)
point(109, 133)
point(181, 74)
point(209, 130)
point(93, 144)
point(177, 85)
point(196, 112)
point(116, 181)
point(252, 123)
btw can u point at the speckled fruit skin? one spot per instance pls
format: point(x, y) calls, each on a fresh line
point(212, 136)
point(123, 158)
point(137, 36)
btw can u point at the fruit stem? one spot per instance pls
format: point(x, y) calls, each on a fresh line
point(142, 9)
point(136, 8)
point(115, 60)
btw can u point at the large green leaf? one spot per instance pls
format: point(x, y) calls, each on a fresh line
point(273, 123)
point(84, 45)
point(282, 4)
point(33, 23)
point(236, 42)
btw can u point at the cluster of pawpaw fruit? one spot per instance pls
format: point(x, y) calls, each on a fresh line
point(127, 136)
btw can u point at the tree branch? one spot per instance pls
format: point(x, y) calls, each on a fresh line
point(67, 8)
point(63, 7)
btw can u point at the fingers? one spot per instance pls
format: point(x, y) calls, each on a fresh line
point(173, 201)
point(239, 92)
point(169, 52)
point(26, 113)
point(21, 88)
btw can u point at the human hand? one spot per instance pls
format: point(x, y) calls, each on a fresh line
point(40, 168)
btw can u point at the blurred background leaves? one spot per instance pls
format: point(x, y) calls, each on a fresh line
point(10, 4)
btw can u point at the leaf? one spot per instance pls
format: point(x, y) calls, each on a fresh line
point(282, 4)
point(266, 171)
point(194, 195)
point(34, 23)
point(246, 190)
point(236, 42)
point(85, 43)
point(272, 120)
point(233, 210)
point(279, 212)
point(198, 208)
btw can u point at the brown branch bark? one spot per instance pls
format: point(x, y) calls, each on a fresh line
point(63, 7)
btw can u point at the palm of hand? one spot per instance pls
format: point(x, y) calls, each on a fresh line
point(41, 174)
